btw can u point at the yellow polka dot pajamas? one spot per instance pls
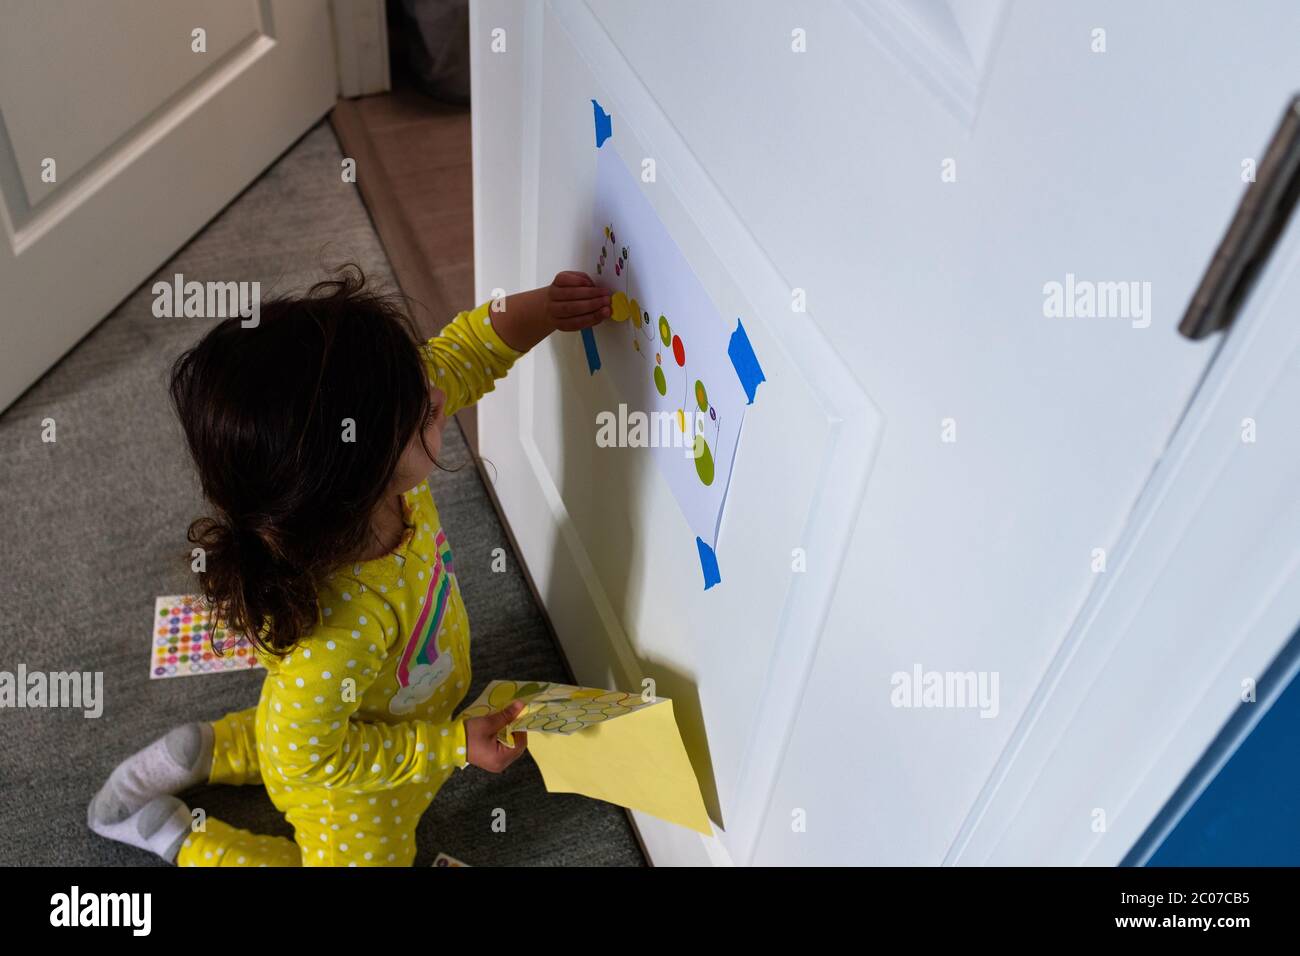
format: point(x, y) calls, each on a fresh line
point(353, 734)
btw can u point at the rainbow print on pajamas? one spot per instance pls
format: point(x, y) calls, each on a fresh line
point(422, 648)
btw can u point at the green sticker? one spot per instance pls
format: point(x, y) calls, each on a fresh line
point(703, 460)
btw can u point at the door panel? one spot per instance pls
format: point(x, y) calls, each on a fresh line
point(110, 80)
point(150, 139)
point(610, 550)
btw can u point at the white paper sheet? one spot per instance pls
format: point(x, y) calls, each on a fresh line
point(634, 254)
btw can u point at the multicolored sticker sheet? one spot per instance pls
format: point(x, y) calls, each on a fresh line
point(184, 645)
point(554, 708)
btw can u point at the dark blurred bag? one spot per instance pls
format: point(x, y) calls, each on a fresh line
point(432, 39)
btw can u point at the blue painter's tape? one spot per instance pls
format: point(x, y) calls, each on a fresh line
point(709, 563)
point(589, 343)
point(604, 124)
point(745, 361)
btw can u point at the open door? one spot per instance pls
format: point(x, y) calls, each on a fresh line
point(124, 128)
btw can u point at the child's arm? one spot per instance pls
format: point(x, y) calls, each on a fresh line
point(313, 742)
point(478, 347)
point(571, 303)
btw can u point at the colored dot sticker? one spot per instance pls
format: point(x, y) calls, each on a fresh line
point(703, 460)
point(620, 308)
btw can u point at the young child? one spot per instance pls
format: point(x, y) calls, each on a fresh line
point(314, 434)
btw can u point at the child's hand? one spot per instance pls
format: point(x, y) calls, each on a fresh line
point(574, 302)
point(569, 304)
point(482, 748)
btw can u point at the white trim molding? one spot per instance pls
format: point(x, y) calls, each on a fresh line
point(361, 47)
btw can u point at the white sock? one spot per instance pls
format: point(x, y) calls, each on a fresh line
point(180, 759)
point(160, 826)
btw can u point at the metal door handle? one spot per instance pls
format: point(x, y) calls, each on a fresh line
point(1246, 246)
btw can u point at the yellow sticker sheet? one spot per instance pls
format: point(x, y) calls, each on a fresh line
point(609, 745)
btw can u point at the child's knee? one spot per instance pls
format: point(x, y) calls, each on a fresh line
point(187, 744)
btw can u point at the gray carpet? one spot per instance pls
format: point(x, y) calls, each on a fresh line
point(94, 528)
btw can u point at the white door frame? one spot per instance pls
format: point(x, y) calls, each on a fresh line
point(361, 47)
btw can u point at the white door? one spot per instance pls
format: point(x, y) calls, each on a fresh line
point(950, 442)
point(124, 131)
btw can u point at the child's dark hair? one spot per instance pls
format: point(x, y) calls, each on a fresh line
point(265, 413)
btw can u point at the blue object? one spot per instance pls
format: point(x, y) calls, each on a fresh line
point(745, 361)
point(1246, 814)
point(604, 124)
point(709, 563)
point(589, 343)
